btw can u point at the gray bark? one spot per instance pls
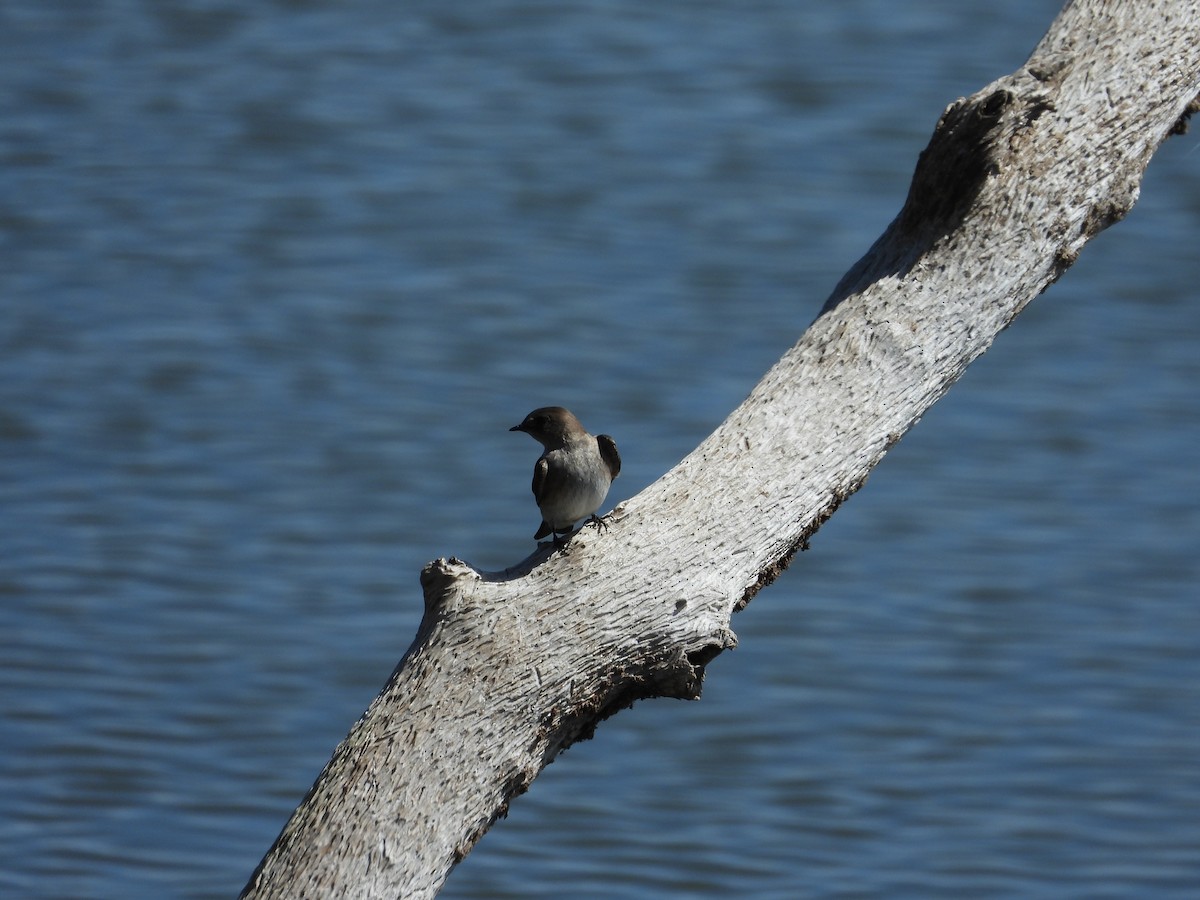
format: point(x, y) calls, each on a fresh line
point(509, 668)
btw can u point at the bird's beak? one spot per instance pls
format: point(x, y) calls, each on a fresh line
point(515, 428)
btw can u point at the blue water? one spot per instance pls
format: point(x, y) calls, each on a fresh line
point(277, 277)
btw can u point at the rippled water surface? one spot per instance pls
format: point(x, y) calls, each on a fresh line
point(276, 279)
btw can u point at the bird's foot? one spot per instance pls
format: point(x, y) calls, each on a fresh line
point(599, 522)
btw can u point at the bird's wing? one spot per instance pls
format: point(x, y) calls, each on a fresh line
point(608, 453)
point(540, 468)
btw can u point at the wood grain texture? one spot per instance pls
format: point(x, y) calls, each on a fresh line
point(509, 668)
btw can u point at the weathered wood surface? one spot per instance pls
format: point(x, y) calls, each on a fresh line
point(509, 668)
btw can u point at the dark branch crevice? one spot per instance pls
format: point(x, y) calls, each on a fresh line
point(950, 173)
point(1181, 124)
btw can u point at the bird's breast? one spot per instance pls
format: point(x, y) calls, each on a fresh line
point(577, 482)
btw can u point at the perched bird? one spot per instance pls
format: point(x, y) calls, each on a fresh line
point(571, 477)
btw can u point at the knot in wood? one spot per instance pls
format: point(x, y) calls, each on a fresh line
point(953, 168)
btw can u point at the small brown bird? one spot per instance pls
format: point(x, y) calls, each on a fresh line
point(572, 476)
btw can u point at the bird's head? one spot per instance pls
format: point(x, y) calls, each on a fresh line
point(550, 425)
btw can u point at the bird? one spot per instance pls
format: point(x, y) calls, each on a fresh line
point(572, 476)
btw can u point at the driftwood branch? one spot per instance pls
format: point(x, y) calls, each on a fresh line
point(509, 668)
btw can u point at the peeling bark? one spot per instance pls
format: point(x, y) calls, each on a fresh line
point(510, 668)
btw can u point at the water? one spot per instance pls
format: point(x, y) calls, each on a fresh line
point(278, 276)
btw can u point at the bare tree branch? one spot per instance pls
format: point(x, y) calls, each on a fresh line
point(509, 668)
